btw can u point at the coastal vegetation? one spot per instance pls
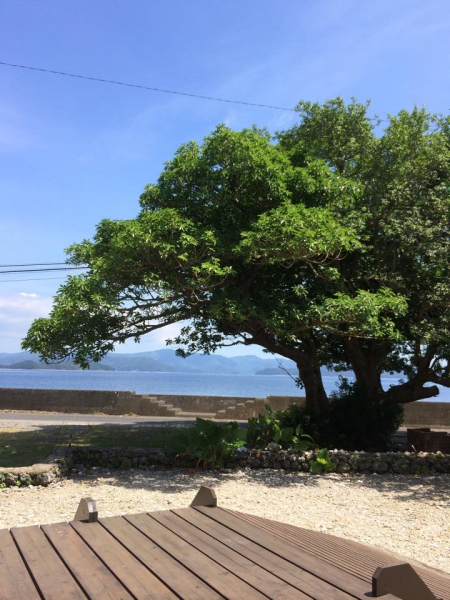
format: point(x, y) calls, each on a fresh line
point(326, 243)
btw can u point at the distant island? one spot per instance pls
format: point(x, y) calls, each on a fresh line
point(65, 366)
point(277, 371)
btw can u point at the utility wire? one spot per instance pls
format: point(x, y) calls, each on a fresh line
point(145, 87)
point(33, 265)
point(36, 279)
point(42, 270)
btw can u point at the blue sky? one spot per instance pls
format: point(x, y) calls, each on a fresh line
point(73, 152)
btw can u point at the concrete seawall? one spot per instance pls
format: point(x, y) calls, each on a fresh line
point(431, 414)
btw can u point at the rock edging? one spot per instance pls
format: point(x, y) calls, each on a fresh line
point(58, 465)
point(53, 469)
point(273, 457)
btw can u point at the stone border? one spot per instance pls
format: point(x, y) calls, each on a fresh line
point(53, 469)
point(82, 459)
point(399, 463)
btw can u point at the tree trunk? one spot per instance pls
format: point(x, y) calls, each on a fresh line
point(367, 373)
point(410, 391)
point(307, 363)
point(317, 403)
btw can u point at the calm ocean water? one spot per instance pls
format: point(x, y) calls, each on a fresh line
point(257, 386)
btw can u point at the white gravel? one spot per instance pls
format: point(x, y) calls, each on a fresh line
point(406, 515)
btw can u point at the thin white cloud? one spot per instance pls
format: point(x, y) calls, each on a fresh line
point(17, 312)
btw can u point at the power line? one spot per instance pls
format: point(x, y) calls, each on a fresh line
point(33, 264)
point(42, 270)
point(35, 279)
point(145, 87)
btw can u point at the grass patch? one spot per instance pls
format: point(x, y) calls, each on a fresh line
point(110, 436)
point(19, 448)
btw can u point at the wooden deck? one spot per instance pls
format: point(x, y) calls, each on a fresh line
point(201, 552)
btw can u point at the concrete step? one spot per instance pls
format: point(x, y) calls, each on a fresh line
point(196, 414)
point(173, 409)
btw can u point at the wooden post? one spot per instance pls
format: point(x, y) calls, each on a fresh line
point(402, 581)
point(205, 497)
point(86, 511)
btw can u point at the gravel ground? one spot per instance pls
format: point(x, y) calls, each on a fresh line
point(406, 515)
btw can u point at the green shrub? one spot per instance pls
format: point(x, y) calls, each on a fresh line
point(210, 442)
point(263, 429)
point(293, 416)
point(358, 423)
point(322, 463)
point(296, 416)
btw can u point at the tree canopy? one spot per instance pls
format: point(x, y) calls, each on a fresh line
point(327, 243)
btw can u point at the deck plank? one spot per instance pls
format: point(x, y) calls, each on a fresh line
point(175, 575)
point(92, 575)
point(244, 568)
point(193, 553)
point(133, 575)
point(314, 565)
point(217, 577)
point(15, 581)
point(53, 579)
point(354, 557)
point(285, 570)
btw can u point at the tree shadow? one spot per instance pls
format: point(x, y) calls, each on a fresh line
point(20, 447)
point(432, 487)
point(158, 435)
point(174, 481)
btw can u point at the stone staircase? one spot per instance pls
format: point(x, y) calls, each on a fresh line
point(243, 410)
point(228, 409)
point(194, 415)
point(160, 408)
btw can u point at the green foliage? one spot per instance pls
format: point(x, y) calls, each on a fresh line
point(322, 463)
point(263, 429)
point(293, 416)
point(327, 244)
point(358, 422)
point(210, 442)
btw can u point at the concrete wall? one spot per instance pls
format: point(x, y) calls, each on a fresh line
point(119, 403)
point(213, 404)
point(200, 404)
point(76, 401)
point(432, 414)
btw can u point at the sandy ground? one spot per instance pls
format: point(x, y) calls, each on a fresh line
point(406, 515)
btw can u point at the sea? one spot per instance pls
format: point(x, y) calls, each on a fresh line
point(204, 384)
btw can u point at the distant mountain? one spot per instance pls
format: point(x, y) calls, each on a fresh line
point(249, 364)
point(164, 361)
point(136, 362)
point(64, 366)
point(197, 363)
point(24, 364)
point(7, 358)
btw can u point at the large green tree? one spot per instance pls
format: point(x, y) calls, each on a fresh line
point(326, 245)
point(403, 213)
